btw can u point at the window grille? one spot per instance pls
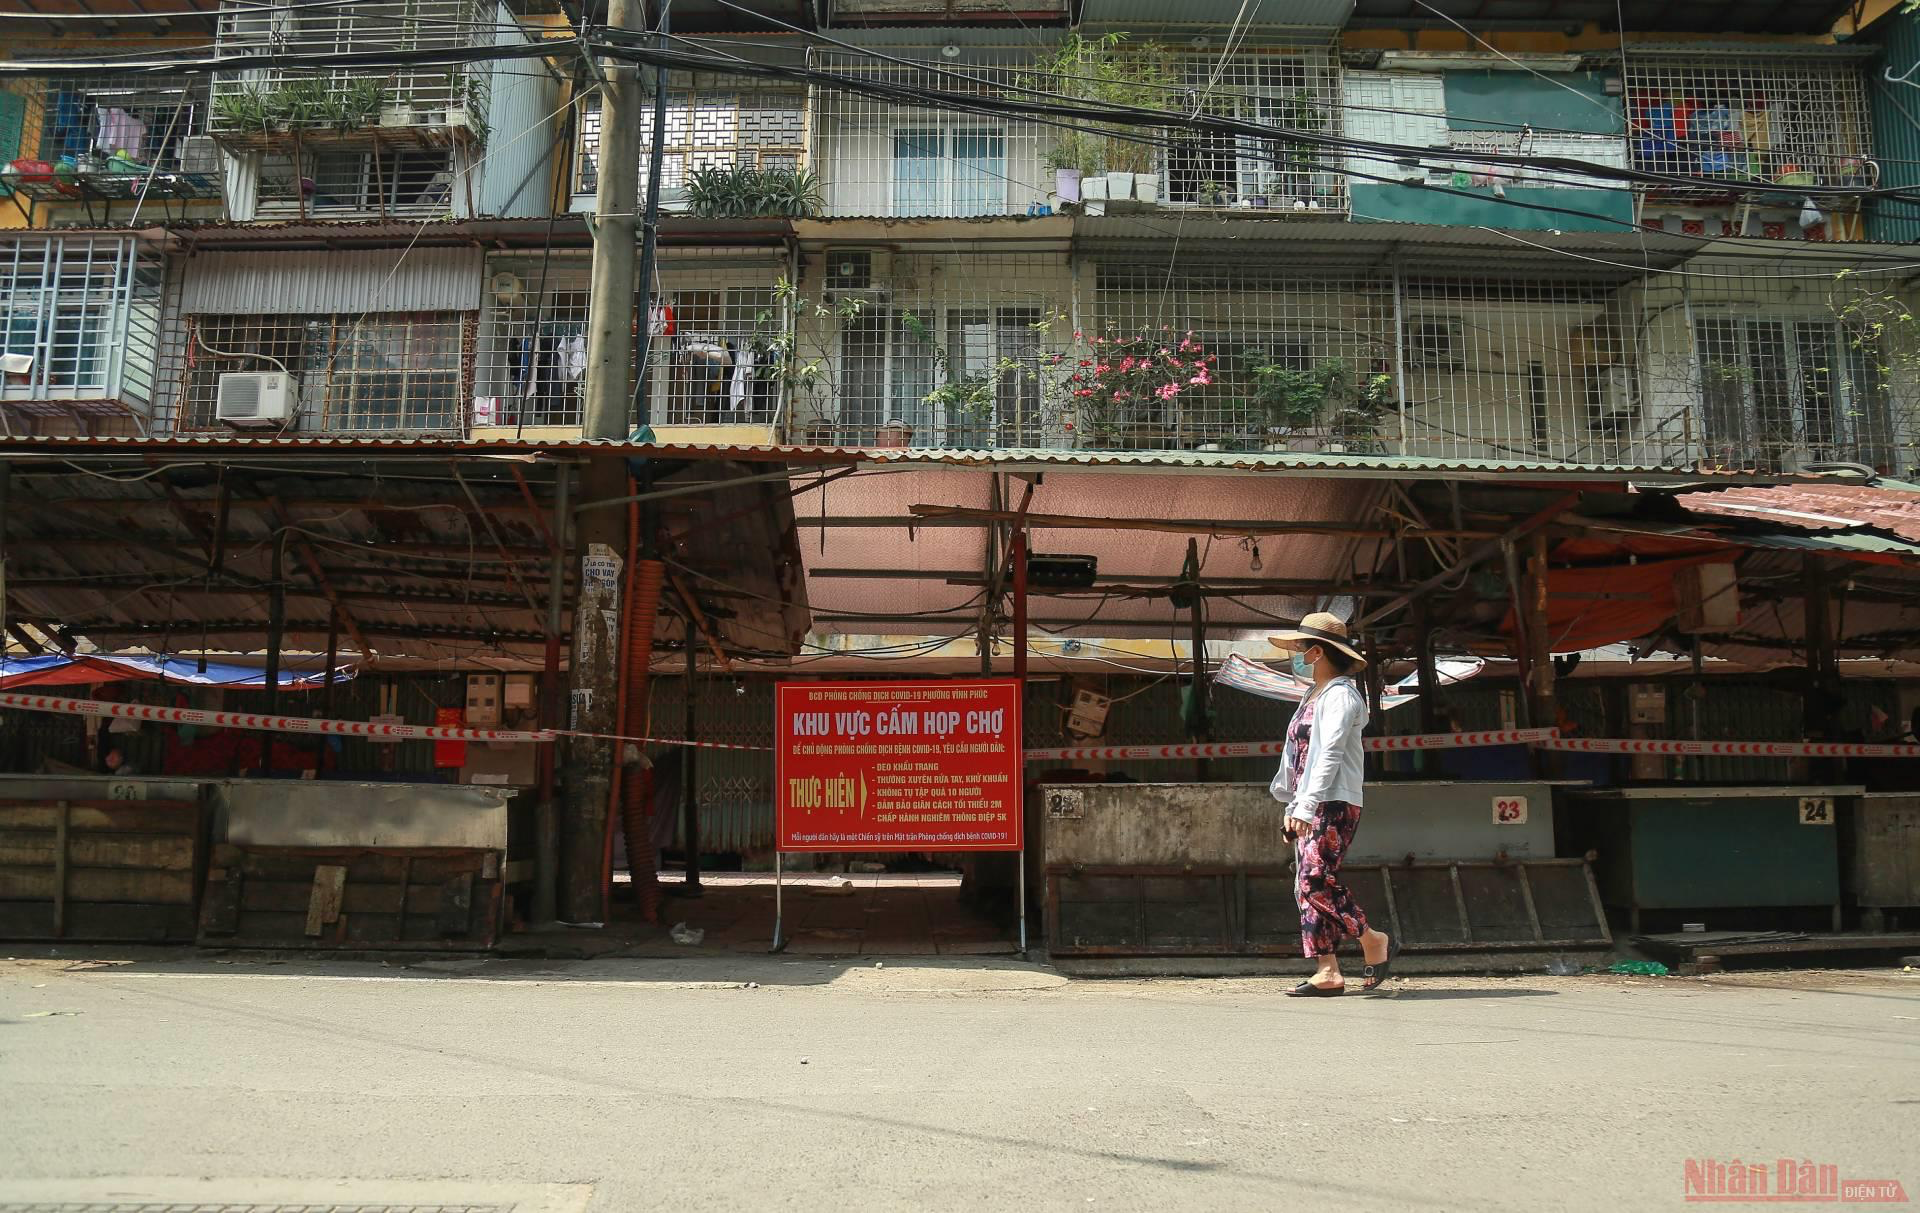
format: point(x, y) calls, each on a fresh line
point(319, 182)
point(85, 312)
point(716, 351)
point(1793, 122)
point(143, 120)
point(880, 158)
point(934, 350)
point(711, 122)
point(424, 104)
point(1294, 88)
point(383, 373)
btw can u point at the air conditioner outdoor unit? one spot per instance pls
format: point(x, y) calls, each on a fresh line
point(1618, 396)
point(257, 398)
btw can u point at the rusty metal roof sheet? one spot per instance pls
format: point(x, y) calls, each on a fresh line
point(1816, 507)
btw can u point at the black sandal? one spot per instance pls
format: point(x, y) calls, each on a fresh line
point(1307, 989)
point(1374, 976)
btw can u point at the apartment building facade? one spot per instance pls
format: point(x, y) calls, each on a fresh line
point(1673, 267)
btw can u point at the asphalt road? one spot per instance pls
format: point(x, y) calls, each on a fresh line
point(640, 1084)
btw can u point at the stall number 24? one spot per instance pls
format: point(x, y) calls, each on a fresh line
point(1509, 810)
point(1816, 811)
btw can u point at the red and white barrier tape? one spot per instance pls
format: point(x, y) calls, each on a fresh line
point(251, 720)
point(1258, 749)
point(1543, 738)
point(1731, 749)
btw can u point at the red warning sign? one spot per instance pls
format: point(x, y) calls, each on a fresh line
point(898, 766)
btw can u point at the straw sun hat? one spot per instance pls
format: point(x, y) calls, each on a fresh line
point(1317, 628)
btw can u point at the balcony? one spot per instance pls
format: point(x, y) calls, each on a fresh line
point(882, 159)
point(713, 122)
point(1798, 121)
point(79, 322)
point(358, 374)
point(277, 109)
point(1725, 367)
point(101, 148)
point(717, 368)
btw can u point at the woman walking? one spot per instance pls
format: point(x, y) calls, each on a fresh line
point(1320, 782)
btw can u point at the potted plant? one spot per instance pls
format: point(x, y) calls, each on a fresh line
point(245, 110)
point(739, 191)
point(1110, 70)
point(1071, 158)
point(1211, 193)
point(894, 434)
point(1113, 383)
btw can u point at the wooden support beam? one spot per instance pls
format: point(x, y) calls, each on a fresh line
point(1546, 713)
point(932, 515)
point(1477, 554)
point(27, 642)
point(699, 620)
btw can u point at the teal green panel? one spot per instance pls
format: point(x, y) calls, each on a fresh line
point(13, 119)
point(1592, 210)
point(1731, 852)
point(1565, 101)
point(1896, 130)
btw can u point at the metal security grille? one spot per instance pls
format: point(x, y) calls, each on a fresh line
point(880, 158)
point(382, 373)
point(718, 354)
point(1724, 363)
point(144, 120)
point(1297, 357)
point(1788, 121)
point(933, 350)
point(1296, 88)
point(84, 311)
point(712, 122)
point(257, 105)
point(402, 182)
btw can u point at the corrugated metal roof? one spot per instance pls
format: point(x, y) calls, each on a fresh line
point(1358, 466)
point(1841, 542)
point(1816, 507)
point(1339, 242)
point(1320, 15)
point(1677, 16)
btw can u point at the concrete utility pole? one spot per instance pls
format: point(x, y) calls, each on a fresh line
point(601, 533)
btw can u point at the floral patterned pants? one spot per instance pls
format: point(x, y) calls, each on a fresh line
point(1328, 912)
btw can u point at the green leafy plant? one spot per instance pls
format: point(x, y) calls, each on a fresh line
point(1109, 70)
point(741, 191)
point(1108, 382)
point(1077, 150)
point(245, 110)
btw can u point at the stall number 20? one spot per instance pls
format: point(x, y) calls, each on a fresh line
point(1816, 811)
point(1509, 810)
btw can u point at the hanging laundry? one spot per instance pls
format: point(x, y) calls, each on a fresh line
point(660, 320)
point(119, 131)
point(740, 394)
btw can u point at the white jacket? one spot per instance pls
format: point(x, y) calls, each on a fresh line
point(1335, 761)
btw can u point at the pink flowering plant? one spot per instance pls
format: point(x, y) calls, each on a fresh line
point(1107, 382)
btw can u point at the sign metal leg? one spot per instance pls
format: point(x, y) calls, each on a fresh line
point(1023, 902)
point(779, 940)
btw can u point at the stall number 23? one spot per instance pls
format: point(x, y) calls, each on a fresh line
point(1509, 810)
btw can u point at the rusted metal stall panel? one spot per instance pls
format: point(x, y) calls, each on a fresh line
point(1227, 910)
point(100, 870)
point(352, 897)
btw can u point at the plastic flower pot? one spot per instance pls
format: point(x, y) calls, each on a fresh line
point(1066, 183)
